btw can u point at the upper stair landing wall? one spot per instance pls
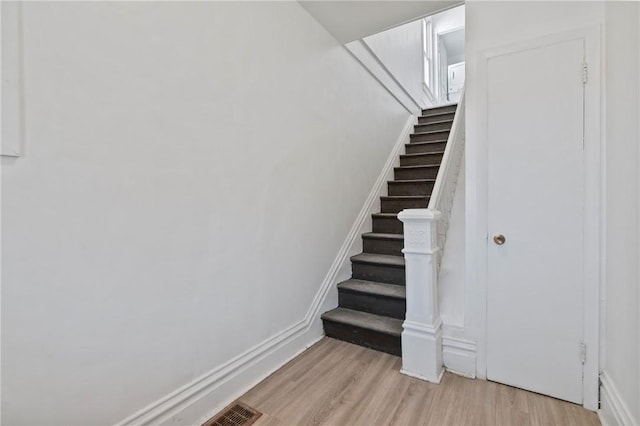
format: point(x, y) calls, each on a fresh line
point(395, 57)
point(399, 50)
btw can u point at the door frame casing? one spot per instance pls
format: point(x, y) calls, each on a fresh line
point(477, 226)
point(438, 40)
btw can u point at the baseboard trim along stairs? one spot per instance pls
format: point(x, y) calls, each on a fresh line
point(372, 304)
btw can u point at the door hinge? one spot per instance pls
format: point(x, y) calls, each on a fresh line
point(585, 72)
point(599, 392)
point(583, 352)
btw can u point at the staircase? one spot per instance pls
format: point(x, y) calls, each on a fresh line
point(372, 304)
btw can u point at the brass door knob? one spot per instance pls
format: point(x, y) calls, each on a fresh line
point(499, 239)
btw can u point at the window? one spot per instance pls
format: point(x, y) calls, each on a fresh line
point(427, 54)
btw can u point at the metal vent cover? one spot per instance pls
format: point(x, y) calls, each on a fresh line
point(237, 414)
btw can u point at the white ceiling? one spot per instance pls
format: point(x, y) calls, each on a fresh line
point(352, 20)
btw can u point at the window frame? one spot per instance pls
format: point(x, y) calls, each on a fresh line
point(428, 71)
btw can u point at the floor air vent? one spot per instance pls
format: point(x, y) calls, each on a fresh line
point(237, 414)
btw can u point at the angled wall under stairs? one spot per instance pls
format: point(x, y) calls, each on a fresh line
point(372, 304)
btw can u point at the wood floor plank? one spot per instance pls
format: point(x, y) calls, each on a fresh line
point(330, 397)
point(415, 405)
point(318, 386)
point(387, 393)
point(336, 383)
point(353, 404)
point(266, 420)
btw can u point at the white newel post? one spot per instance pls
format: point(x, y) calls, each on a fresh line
point(422, 328)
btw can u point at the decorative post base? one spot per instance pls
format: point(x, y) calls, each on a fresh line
point(422, 352)
point(422, 328)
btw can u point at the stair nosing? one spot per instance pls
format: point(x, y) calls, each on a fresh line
point(394, 325)
point(391, 182)
point(430, 132)
point(386, 215)
point(413, 197)
point(344, 286)
point(435, 114)
point(422, 153)
point(382, 259)
point(415, 167)
point(436, 122)
point(426, 142)
point(440, 108)
point(383, 236)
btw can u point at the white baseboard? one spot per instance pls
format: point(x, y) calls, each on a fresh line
point(613, 410)
point(459, 356)
point(203, 397)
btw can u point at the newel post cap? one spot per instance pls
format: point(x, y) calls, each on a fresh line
point(410, 215)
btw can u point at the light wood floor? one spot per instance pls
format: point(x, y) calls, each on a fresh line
point(337, 383)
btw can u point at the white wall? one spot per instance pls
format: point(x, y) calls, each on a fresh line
point(622, 343)
point(492, 24)
point(190, 171)
point(11, 138)
point(400, 51)
point(449, 20)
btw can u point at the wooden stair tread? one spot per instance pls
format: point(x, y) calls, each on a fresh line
point(412, 180)
point(379, 259)
point(398, 197)
point(426, 114)
point(426, 142)
point(422, 154)
point(450, 120)
point(374, 288)
point(383, 236)
point(365, 320)
point(417, 167)
point(394, 182)
point(430, 132)
point(430, 112)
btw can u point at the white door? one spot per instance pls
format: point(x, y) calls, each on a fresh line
point(535, 200)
